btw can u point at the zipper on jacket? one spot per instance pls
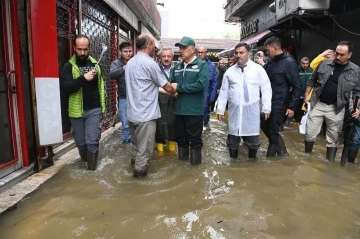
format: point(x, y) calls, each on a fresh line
point(82, 103)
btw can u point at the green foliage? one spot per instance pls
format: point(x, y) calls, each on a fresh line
point(235, 35)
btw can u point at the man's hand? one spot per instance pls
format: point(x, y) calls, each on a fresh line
point(307, 99)
point(355, 114)
point(124, 67)
point(174, 85)
point(90, 75)
point(220, 117)
point(175, 95)
point(289, 113)
point(266, 116)
point(218, 91)
point(170, 89)
point(327, 53)
point(260, 60)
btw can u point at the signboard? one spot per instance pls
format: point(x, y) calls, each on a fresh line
point(48, 110)
point(249, 28)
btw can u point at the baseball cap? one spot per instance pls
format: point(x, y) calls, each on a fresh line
point(186, 41)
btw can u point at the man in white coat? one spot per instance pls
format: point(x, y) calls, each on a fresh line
point(240, 89)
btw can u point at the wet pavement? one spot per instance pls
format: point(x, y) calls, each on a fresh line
point(301, 196)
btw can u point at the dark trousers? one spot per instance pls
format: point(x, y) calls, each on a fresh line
point(165, 129)
point(271, 126)
point(298, 114)
point(253, 142)
point(87, 130)
point(188, 131)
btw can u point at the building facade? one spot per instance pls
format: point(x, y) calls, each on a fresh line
point(306, 28)
point(38, 40)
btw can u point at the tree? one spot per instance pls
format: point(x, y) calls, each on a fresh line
point(231, 35)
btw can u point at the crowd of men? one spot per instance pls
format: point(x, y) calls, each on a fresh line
point(164, 104)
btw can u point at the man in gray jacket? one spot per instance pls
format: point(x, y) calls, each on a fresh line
point(117, 72)
point(333, 81)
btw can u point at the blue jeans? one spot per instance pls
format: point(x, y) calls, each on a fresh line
point(356, 140)
point(126, 136)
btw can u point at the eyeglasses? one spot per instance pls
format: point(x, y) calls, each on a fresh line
point(201, 52)
point(129, 51)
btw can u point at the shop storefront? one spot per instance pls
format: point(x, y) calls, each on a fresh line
point(305, 28)
point(38, 41)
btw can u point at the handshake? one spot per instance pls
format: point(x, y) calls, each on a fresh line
point(170, 89)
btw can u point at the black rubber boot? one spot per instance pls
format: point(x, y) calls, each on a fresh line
point(140, 174)
point(352, 156)
point(92, 160)
point(233, 153)
point(252, 153)
point(83, 154)
point(309, 146)
point(183, 153)
point(331, 153)
point(271, 151)
point(344, 156)
point(195, 156)
point(282, 148)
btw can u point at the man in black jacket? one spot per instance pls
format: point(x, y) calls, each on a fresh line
point(117, 72)
point(283, 72)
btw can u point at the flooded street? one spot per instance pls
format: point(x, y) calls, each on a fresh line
point(297, 197)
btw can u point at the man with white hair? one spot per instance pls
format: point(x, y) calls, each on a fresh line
point(190, 79)
point(165, 130)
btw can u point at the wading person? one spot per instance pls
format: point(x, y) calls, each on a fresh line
point(117, 72)
point(240, 89)
point(211, 87)
point(333, 81)
point(84, 82)
point(143, 79)
point(165, 130)
point(305, 72)
point(190, 79)
point(283, 73)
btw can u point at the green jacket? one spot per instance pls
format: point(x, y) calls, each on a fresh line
point(76, 98)
point(304, 78)
point(191, 85)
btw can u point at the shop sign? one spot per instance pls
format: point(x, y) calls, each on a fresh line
point(249, 28)
point(212, 54)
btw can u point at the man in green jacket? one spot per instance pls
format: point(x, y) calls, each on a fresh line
point(305, 72)
point(189, 78)
point(81, 77)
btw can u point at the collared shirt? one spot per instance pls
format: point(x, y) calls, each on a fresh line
point(185, 64)
point(166, 70)
point(240, 91)
point(143, 79)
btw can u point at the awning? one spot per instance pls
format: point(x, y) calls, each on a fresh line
point(296, 22)
point(251, 40)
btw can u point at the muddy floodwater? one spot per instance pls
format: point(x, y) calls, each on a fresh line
point(301, 196)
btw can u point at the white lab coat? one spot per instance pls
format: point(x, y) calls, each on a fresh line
point(244, 117)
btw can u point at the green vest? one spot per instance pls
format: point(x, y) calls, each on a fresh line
point(76, 98)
